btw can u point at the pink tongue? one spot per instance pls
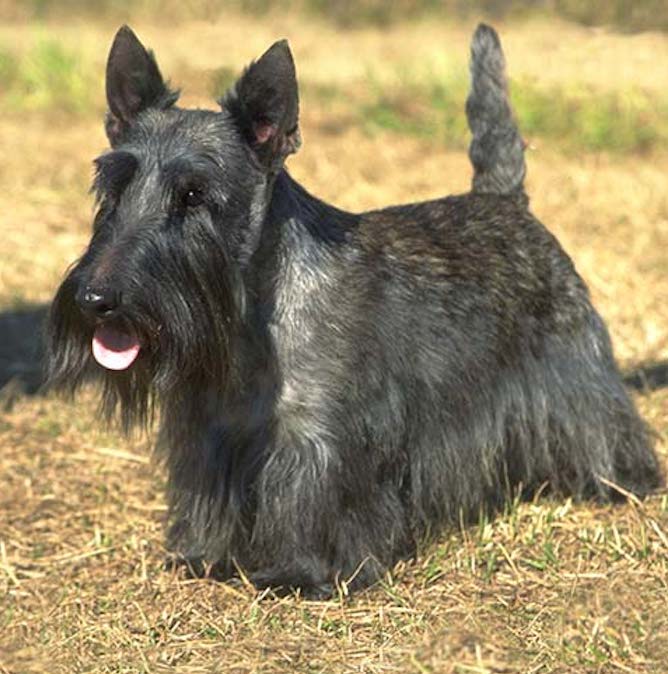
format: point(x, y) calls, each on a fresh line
point(115, 349)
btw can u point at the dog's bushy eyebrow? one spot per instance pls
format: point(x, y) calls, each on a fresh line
point(113, 171)
point(181, 167)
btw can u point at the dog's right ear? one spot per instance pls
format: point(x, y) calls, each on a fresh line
point(134, 83)
point(265, 106)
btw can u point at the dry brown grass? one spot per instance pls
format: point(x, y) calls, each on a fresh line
point(550, 586)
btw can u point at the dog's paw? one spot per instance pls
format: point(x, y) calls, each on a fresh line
point(284, 584)
point(192, 567)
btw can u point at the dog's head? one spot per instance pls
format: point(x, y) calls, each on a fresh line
point(182, 196)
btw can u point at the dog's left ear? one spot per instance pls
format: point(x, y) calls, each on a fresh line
point(265, 105)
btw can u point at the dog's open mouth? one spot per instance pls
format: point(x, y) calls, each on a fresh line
point(114, 348)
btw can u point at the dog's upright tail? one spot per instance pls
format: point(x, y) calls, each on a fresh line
point(497, 149)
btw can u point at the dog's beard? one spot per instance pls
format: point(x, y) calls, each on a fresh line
point(173, 335)
point(127, 395)
point(140, 359)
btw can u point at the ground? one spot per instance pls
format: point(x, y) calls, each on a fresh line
point(549, 586)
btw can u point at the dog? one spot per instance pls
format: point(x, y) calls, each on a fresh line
point(332, 386)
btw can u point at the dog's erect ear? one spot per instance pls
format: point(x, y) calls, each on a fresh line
point(265, 105)
point(134, 83)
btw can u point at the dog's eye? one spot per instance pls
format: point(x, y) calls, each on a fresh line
point(192, 197)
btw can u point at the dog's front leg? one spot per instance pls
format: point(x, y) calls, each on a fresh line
point(325, 518)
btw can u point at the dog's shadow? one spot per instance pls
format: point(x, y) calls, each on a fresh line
point(21, 352)
point(647, 377)
point(22, 371)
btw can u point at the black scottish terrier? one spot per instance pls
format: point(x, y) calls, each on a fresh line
point(332, 386)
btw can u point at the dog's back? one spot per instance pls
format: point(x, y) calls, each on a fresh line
point(510, 365)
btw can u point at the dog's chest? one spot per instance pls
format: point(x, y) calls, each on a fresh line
point(303, 329)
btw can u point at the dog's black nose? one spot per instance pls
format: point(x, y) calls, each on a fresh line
point(98, 302)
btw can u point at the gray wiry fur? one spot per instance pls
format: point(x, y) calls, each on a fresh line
point(497, 149)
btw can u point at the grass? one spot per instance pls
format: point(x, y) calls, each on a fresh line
point(548, 586)
point(576, 118)
point(49, 77)
point(423, 99)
